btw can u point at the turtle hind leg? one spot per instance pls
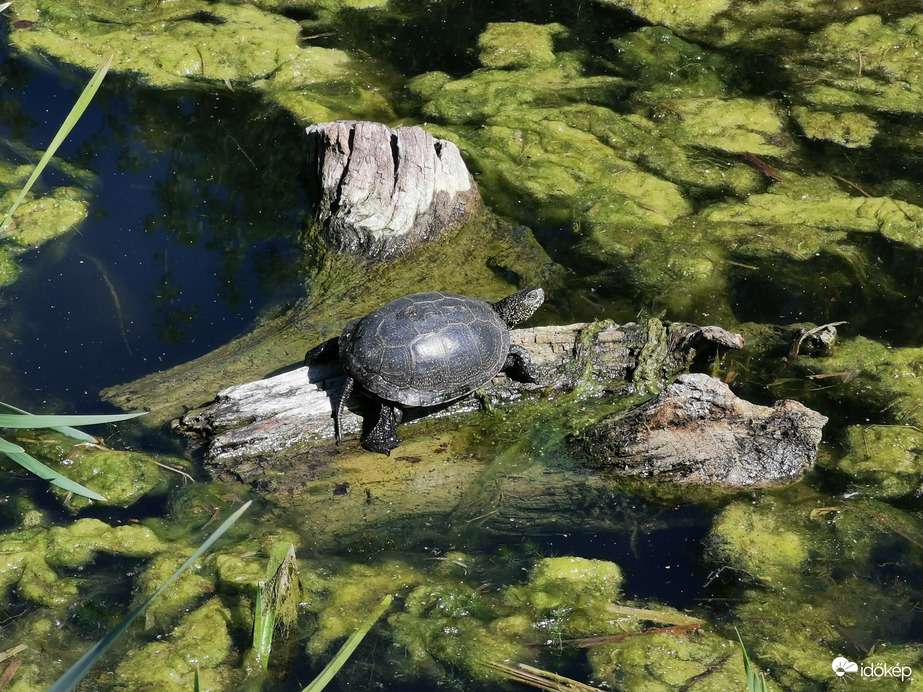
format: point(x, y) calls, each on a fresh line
point(341, 406)
point(382, 438)
point(519, 365)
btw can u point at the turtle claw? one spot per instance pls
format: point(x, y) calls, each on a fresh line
point(383, 437)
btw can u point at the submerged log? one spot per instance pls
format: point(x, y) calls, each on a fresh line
point(248, 422)
point(697, 431)
point(380, 193)
point(275, 434)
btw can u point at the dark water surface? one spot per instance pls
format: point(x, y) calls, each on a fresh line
point(197, 205)
point(195, 211)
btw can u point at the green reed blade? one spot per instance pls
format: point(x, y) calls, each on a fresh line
point(756, 682)
point(277, 599)
point(264, 622)
point(69, 122)
point(78, 671)
point(33, 465)
point(24, 419)
point(8, 447)
point(63, 429)
point(29, 420)
point(332, 668)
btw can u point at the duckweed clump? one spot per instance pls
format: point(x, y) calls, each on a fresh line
point(28, 558)
point(883, 460)
point(809, 564)
point(762, 541)
point(886, 379)
point(195, 584)
point(518, 44)
point(455, 625)
point(668, 661)
point(36, 221)
point(122, 477)
point(201, 641)
point(347, 596)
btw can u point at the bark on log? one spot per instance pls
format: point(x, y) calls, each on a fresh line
point(248, 422)
point(381, 193)
point(697, 431)
point(274, 434)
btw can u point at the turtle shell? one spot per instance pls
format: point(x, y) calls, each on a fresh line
point(425, 349)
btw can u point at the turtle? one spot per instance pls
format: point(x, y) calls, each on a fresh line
point(428, 349)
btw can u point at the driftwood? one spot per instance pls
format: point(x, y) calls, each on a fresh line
point(276, 435)
point(380, 193)
point(250, 421)
point(697, 431)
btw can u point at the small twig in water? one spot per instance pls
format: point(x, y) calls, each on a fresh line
point(540, 679)
point(852, 185)
point(308, 38)
point(887, 523)
point(811, 332)
point(764, 168)
point(587, 642)
point(174, 469)
point(242, 150)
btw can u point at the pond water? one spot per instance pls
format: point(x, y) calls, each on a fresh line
point(174, 260)
point(195, 234)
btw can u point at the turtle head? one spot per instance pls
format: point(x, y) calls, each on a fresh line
point(520, 306)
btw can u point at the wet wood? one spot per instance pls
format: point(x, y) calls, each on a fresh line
point(275, 434)
point(698, 432)
point(381, 193)
point(294, 409)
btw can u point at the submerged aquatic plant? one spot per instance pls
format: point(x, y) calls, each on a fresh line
point(332, 668)
point(17, 418)
point(277, 599)
point(756, 682)
point(78, 671)
point(69, 122)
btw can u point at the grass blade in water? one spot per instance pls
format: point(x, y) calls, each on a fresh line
point(8, 447)
point(33, 465)
point(756, 682)
point(29, 420)
point(332, 668)
point(78, 671)
point(63, 429)
point(88, 93)
point(24, 419)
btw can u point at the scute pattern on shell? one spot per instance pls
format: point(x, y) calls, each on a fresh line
point(425, 349)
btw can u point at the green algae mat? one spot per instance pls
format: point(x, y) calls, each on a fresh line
point(729, 162)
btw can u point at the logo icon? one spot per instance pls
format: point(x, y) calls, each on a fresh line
point(841, 666)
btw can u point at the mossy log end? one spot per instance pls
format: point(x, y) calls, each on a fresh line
point(697, 432)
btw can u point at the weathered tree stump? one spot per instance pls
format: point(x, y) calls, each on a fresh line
point(381, 193)
point(696, 431)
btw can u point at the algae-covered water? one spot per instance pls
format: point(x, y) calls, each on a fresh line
point(731, 162)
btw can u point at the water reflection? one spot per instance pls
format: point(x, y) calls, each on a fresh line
point(192, 233)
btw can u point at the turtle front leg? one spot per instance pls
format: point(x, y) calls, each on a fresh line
point(519, 365)
point(383, 437)
point(341, 406)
